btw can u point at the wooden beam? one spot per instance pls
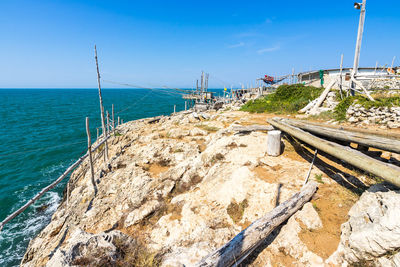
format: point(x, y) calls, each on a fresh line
point(380, 132)
point(322, 97)
point(252, 128)
point(388, 172)
point(368, 140)
point(238, 248)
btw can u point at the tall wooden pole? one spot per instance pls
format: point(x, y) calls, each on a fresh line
point(358, 44)
point(113, 121)
point(103, 124)
point(340, 76)
point(108, 122)
point(90, 151)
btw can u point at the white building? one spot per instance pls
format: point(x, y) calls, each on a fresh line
point(369, 77)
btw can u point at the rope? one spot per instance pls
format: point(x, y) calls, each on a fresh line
point(160, 90)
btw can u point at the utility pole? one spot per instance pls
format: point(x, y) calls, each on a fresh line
point(359, 40)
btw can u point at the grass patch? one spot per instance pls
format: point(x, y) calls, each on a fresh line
point(207, 128)
point(178, 150)
point(325, 115)
point(236, 210)
point(318, 178)
point(116, 133)
point(286, 99)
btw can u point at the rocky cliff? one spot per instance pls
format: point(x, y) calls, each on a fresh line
point(176, 189)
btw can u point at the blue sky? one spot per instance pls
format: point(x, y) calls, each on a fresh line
point(49, 43)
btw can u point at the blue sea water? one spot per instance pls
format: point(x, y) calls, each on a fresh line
point(42, 131)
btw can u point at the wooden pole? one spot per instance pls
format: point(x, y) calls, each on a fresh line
point(118, 121)
point(174, 109)
point(341, 77)
point(369, 140)
point(113, 121)
point(97, 133)
point(388, 172)
point(108, 122)
point(90, 151)
point(322, 97)
point(103, 124)
point(309, 170)
point(238, 248)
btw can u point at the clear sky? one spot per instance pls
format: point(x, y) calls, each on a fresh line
point(49, 43)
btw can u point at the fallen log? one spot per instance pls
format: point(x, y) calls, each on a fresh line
point(252, 128)
point(368, 140)
point(380, 132)
point(238, 248)
point(309, 105)
point(388, 172)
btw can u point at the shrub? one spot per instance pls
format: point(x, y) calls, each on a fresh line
point(286, 99)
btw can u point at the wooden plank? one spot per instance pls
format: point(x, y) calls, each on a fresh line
point(322, 97)
point(380, 132)
point(388, 172)
point(238, 248)
point(365, 139)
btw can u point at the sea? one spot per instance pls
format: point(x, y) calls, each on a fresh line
point(42, 132)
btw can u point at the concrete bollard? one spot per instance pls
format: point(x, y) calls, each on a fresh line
point(274, 143)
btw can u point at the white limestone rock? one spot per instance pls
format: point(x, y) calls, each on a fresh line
point(372, 232)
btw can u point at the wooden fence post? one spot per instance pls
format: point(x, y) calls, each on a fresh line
point(174, 109)
point(113, 121)
point(90, 150)
point(97, 133)
point(118, 121)
point(108, 122)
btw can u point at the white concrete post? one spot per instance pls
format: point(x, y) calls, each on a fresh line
point(274, 143)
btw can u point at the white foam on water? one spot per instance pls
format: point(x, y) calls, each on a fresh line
point(17, 233)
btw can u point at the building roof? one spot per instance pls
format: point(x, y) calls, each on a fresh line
point(344, 69)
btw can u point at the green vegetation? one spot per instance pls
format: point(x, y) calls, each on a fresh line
point(341, 108)
point(207, 128)
point(286, 99)
point(318, 178)
point(291, 98)
point(236, 210)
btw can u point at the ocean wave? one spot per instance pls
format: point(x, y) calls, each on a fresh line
point(16, 235)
